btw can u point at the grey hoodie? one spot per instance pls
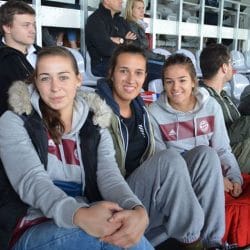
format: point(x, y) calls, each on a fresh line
point(27, 174)
point(202, 126)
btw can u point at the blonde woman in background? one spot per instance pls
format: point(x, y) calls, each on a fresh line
point(134, 14)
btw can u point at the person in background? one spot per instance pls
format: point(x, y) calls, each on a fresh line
point(17, 48)
point(76, 198)
point(186, 118)
point(134, 14)
point(105, 30)
point(217, 70)
point(177, 201)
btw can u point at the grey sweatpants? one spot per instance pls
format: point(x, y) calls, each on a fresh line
point(184, 198)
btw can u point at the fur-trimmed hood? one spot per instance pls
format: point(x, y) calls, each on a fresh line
point(20, 102)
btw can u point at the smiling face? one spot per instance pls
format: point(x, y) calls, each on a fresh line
point(179, 86)
point(138, 10)
point(57, 82)
point(128, 77)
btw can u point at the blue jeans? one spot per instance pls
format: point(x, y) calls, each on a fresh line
point(48, 236)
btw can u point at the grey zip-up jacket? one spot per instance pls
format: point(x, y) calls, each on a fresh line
point(202, 126)
point(28, 176)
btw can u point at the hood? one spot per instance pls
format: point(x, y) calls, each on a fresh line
point(23, 98)
point(200, 93)
point(104, 91)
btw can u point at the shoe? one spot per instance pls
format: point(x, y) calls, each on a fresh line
point(197, 245)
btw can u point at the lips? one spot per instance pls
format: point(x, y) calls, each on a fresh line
point(57, 99)
point(129, 89)
point(176, 94)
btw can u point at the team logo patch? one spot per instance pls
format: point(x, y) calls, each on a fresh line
point(204, 126)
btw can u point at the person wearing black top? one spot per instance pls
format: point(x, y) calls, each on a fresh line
point(105, 30)
point(17, 52)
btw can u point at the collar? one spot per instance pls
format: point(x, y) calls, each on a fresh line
point(30, 49)
point(107, 11)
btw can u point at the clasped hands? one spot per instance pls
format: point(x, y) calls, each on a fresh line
point(113, 224)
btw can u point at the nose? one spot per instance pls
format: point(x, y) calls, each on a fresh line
point(175, 85)
point(55, 86)
point(131, 78)
point(32, 28)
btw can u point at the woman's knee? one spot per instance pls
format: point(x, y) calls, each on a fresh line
point(171, 161)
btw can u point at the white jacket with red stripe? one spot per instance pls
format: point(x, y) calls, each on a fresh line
point(204, 125)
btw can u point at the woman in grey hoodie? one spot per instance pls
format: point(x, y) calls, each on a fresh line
point(185, 117)
point(61, 213)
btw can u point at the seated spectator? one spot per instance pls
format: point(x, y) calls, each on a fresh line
point(71, 37)
point(54, 35)
point(217, 70)
point(216, 67)
point(134, 14)
point(161, 179)
point(186, 118)
point(17, 52)
point(69, 178)
point(105, 30)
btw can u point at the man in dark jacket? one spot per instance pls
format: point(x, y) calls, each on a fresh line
point(17, 52)
point(104, 31)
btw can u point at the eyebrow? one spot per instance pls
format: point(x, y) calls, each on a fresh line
point(181, 77)
point(60, 73)
point(124, 67)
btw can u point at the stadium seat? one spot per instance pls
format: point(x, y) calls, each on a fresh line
point(198, 68)
point(163, 11)
point(238, 61)
point(91, 78)
point(81, 65)
point(155, 86)
point(162, 51)
point(247, 58)
point(228, 88)
point(238, 83)
point(189, 54)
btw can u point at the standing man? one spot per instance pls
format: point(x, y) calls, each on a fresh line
point(17, 52)
point(104, 31)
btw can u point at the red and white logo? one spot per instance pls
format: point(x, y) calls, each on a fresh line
point(204, 126)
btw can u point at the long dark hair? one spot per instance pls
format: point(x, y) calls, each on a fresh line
point(51, 117)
